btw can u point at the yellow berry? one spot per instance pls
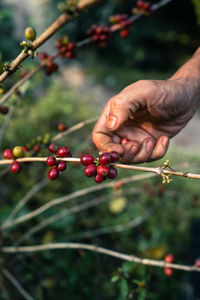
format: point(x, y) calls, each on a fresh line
point(18, 151)
point(30, 33)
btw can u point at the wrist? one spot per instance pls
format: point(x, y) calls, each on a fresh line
point(189, 77)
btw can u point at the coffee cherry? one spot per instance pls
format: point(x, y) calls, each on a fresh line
point(51, 161)
point(53, 173)
point(36, 148)
point(99, 178)
point(30, 33)
point(48, 71)
point(115, 156)
point(124, 141)
point(15, 167)
point(168, 271)
point(18, 151)
point(112, 173)
point(103, 170)
point(63, 152)
point(4, 110)
point(8, 154)
point(43, 55)
point(87, 159)
point(61, 127)
point(54, 67)
point(71, 46)
point(169, 258)
point(124, 33)
point(90, 170)
point(25, 149)
point(105, 158)
point(197, 263)
point(53, 148)
point(62, 166)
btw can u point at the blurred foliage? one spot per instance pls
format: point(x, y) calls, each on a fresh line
point(157, 46)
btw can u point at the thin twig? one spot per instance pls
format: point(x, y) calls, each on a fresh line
point(133, 258)
point(35, 189)
point(73, 128)
point(114, 228)
point(17, 285)
point(73, 195)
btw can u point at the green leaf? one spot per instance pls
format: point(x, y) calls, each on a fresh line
point(115, 278)
point(123, 289)
point(196, 4)
point(142, 295)
point(127, 267)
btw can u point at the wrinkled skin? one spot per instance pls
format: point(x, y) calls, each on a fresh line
point(148, 113)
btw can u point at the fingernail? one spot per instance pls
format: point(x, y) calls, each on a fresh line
point(149, 146)
point(112, 121)
point(165, 141)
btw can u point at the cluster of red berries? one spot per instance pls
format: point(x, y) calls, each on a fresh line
point(100, 169)
point(50, 65)
point(124, 22)
point(4, 110)
point(99, 35)
point(55, 165)
point(143, 7)
point(169, 258)
point(66, 48)
point(16, 152)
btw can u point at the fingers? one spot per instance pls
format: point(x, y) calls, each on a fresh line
point(122, 106)
point(150, 150)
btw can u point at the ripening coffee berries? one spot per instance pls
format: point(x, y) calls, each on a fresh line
point(105, 158)
point(169, 258)
point(197, 263)
point(15, 167)
point(115, 156)
point(168, 271)
point(30, 33)
point(63, 152)
point(53, 173)
point(90, 170)
point(103, 170)
point(4, 110)
point(87, 159)
point(18, 151)
point(99, 178)
point(112, 173)
point(51, 161)
point(61, 166)
point(8, 154)
point(53, 148)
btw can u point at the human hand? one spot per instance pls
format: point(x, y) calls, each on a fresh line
point(147, 113)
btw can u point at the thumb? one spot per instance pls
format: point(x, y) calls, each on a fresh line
point(119, 112)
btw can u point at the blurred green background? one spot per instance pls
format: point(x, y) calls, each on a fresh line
point(157, 46)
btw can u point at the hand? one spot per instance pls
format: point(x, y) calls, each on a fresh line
point(147, 113)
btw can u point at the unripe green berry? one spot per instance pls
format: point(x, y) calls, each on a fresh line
point(18, 151)
point(30, 33)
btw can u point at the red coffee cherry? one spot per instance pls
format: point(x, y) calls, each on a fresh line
point(43, 55)
point(36, 148)
point(63, 152)
point(61, 166)
point(168, 271)
point(15, 167)
point(105, 158)
point(112, 173)
point(4, 110)
point(115, 156)
point(124, 33)
point(87, 159)
point(8, 154)
point(61, 127)
point(169, 258)
point(24, 148)
point(53, 148)
point(197, 263)
point(51, 161)
point(99, 178)
point(53, 173)
point(124, 141)
point(103, 170)
point(71, 46)
point(90, 170)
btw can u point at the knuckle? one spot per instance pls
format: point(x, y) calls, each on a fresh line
point(118, 100)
